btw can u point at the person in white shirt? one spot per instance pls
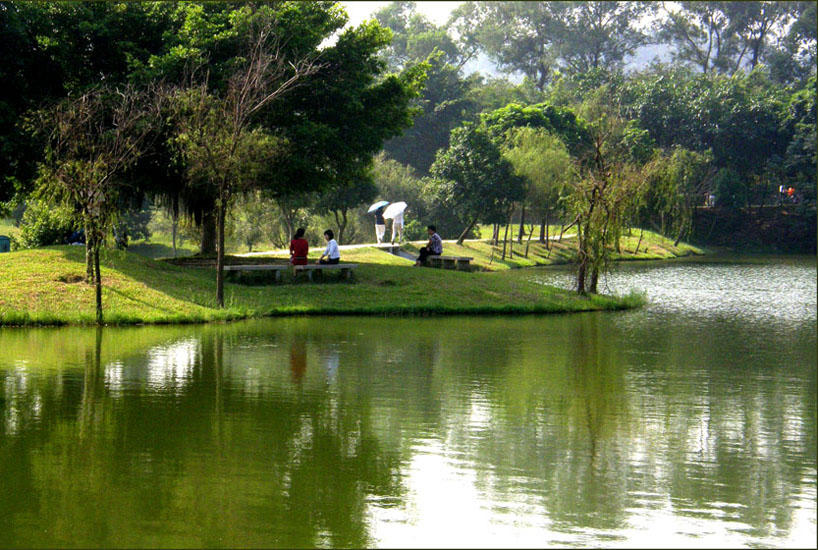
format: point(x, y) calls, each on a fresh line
point(397, 227)
point(332, 253)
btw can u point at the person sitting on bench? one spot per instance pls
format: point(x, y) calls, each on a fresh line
point(332, 253)
point(299, 248)
point(433, 247)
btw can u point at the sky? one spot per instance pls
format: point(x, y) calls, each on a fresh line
point(437, 12)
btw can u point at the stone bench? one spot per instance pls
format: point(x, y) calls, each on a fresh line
point(277, 269)
point(450, 262)
point(346, 269)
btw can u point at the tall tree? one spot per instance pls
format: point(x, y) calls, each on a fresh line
point(754, 24)
point(473, 178)
point(537, 38)
point(219, 135)
point(339, 200)
point(49, 49)
point(444, 101)
point(699, 32)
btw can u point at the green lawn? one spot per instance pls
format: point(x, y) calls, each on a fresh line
point(652, 247)
point(45, 286)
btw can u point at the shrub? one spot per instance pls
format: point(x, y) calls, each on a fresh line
point(44, 224)
point(730, 192)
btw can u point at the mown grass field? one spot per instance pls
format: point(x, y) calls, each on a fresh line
point(45, 286)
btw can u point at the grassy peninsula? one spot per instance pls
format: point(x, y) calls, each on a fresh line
point(46, 286)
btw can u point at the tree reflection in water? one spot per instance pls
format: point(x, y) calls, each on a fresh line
point(300, 432)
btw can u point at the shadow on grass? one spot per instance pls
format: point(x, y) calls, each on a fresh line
point(156, 250)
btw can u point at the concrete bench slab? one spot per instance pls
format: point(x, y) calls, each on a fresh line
point(346, 269)
point(452, 262)
point(277, 269)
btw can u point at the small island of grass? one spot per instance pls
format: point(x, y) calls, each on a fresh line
point(47, 287)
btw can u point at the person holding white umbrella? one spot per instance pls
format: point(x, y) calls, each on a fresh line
point(395, 212)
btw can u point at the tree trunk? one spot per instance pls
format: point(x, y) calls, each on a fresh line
point(89, 257)
point(208, 245)
point(528, 241)
point(679, 235)
point(173, 229)
point(465, 232)
point(522, 228)
point(511, 237)
point(505, 239)
point(583, 262)
point(547, 236)
point(496, 235)
point(594, 279)
point(174, 222)
point(98, 285)
point(341, 223)
point(641, 232)
point(542, 229)
point(220, 255)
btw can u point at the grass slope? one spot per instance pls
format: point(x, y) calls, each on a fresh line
point(45, 286)
point(652, 247)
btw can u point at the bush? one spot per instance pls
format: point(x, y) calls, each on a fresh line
point(45, 224)
point(414, 231)
point(730, 191)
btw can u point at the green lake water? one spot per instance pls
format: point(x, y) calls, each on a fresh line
point(689, 423)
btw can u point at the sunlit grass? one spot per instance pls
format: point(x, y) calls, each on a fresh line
point(46, 286)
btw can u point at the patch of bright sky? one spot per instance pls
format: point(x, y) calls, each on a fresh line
point(439, 13)
point(436, 12)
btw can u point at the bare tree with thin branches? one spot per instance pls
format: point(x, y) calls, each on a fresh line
point(217, 134)
point(92, 139)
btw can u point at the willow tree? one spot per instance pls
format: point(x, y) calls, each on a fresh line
point(219, 135)
point(91, 140)
point(543, 160)
point(612, 180)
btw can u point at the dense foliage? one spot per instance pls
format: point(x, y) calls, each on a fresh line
point(388, 110)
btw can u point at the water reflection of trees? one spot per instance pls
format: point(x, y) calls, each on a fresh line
point(209, 436)
point(193, 463)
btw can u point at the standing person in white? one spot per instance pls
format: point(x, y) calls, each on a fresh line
point(397, 227)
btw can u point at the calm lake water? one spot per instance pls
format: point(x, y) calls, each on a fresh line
point(689, 423)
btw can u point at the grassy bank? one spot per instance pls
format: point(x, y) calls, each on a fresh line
point(45, 286)
point(487, 257)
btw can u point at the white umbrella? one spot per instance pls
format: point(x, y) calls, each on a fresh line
point(393, 209)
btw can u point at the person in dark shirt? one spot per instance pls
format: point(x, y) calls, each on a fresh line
point(380, 224)
point(433, 248)
point(299, 248)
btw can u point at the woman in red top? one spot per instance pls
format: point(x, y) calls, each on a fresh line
point(299, 248)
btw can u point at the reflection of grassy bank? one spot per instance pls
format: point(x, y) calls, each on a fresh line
point(45, 286)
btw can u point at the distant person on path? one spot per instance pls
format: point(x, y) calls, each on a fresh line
point(380, 224)
point(299, 248)
point(433, 248)
point(332, 253)
point(397, 227)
